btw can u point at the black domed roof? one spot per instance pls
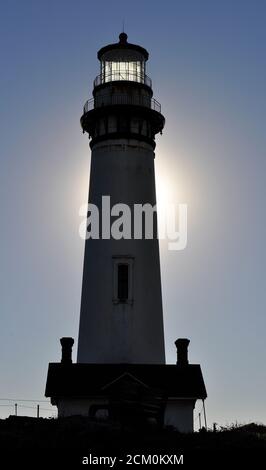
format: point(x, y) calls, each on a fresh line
point(123, 44)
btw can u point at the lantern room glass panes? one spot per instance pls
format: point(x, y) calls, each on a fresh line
point(133, 71)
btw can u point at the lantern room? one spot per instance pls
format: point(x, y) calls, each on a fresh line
point(123, 61)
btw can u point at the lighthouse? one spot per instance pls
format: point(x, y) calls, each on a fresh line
point(121, 318)
point(120, 371)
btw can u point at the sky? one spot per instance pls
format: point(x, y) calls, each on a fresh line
point(208, 66)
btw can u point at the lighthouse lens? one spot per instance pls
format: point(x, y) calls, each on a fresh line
point(124, 70)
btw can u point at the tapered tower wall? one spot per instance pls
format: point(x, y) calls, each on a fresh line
point(129, 331)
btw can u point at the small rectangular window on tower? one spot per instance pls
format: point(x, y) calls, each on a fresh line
point(122, 282)
point(122, 279)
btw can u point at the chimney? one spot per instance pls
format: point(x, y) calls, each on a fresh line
point(182, 351)
point(66, 344)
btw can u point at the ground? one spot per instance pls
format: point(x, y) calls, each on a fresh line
point(73, 438)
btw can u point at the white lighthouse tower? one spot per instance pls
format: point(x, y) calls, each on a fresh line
point(120, 372)
point(121, 317)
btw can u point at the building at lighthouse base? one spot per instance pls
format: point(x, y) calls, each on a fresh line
point(128, 394)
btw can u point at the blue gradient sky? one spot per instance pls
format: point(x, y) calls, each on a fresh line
point(207, 62)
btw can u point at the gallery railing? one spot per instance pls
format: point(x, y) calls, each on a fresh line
point(109, 100)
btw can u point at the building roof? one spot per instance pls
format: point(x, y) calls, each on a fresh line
point(85, 380)
point(123, 45)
